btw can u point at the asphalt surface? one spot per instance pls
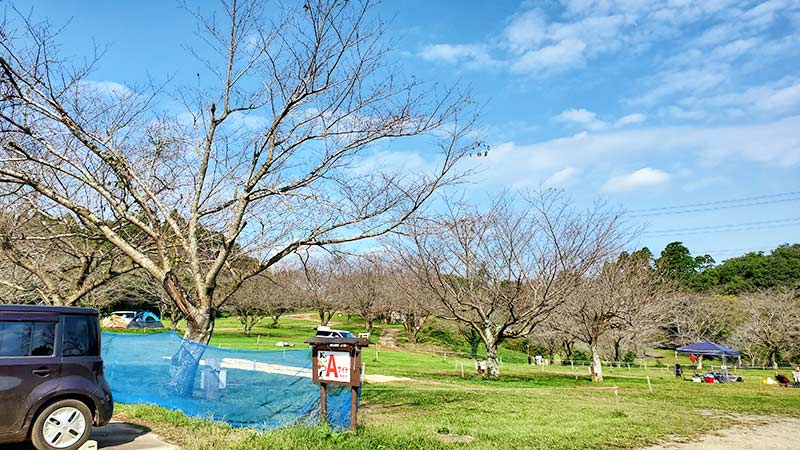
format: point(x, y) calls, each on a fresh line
point(116, 436)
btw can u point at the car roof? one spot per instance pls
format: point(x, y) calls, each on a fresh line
point(47, 309)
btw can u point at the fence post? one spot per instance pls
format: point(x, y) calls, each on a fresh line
point(462, 370)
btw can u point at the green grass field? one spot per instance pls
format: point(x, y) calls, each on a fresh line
point(555, 407)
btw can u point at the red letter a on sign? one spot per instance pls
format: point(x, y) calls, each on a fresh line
point(331, 367)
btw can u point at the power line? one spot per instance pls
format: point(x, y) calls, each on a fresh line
point(742, 202)
point(760, 225)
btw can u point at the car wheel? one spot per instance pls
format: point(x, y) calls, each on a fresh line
point(64, 425)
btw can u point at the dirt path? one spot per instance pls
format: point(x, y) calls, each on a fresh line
point(389, 337)
point(752, 433)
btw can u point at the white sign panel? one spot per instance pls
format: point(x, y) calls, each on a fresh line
point(333, 366)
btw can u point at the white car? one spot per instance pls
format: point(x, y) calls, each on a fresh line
point(327, 332)
point(127, 315)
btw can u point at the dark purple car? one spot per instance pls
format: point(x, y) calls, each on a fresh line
point(52, 388)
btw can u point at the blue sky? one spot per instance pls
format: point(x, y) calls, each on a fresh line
point(646, 103)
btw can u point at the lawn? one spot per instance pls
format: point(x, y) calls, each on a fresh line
point(554, 407)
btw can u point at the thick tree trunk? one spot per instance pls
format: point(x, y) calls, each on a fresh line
point(186, 360)
point(597, 366)
point(199, 327)
point(492, 362)
point(773, 359)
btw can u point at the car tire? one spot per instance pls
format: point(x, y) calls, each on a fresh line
point(63, 425)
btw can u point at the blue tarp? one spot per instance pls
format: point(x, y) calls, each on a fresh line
point(707, 348)
point(264, 389)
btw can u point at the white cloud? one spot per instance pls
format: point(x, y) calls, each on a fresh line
point(646, 177)
point(107, 88)
point(630, 119)
point(681, 82)
point(535, 41)
point(566, 53)
point(453, 54)
point(583, 117)
point(510, 162)
point(562, 178)
point(526, 30)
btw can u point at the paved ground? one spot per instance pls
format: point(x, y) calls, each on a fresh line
point(116, 436)
point(124, 436)
point(755, 434)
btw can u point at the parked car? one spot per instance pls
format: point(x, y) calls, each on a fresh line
point(52, 388)
point(323, 331)
point(126, 315)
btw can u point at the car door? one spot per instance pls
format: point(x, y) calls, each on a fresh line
point(29, 367)
point(81, 365)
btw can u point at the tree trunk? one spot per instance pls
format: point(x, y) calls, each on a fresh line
point(617, 356)
point(275, 319)
point(773, 359)
point(186, 360)
point(568, 350)
point(700, 362)
point(492, 363)
point(247, 325)
point(597, 367)
point(325, 317)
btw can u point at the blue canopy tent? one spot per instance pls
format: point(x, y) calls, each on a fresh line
point(708, 348)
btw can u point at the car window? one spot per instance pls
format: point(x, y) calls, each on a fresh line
point(80, 336)
point(27, 338)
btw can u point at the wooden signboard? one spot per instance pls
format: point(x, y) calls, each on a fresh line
point(337, 361)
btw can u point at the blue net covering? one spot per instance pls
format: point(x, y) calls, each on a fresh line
point(264, 389)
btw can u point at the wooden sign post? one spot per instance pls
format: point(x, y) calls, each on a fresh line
point(337, 361)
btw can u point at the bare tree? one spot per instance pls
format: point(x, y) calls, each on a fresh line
point(623, 293)
point(696, 317)
point(550, 336)
point(412, 304)
point(67, 261)
point(503, 270)
point(269, 154)
point(270, 294)
point(367, 286)
point(772, 326)
point(321, 284)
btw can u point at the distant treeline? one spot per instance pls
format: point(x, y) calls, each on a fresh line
point(751, 272)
